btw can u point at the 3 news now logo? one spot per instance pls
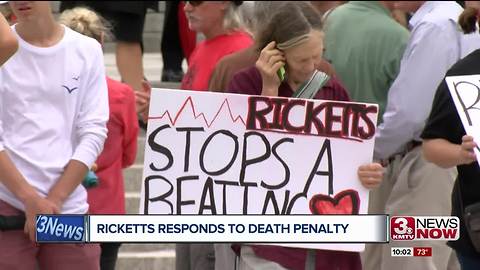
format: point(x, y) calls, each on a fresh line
point(60, 228)
point(424, 228)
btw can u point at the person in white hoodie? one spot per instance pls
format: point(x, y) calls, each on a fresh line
point(53, 114)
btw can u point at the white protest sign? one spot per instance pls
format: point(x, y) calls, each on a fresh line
point(465, 92)
point(214, 153)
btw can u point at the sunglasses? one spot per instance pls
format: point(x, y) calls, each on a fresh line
point(194, 3)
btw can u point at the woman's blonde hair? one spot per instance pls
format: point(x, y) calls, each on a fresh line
point(86, 22)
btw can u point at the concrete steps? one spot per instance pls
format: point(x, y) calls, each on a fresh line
point(140, 151)
point(136, 260)
point(147, 247)
point(132, 202)
point(133, 177)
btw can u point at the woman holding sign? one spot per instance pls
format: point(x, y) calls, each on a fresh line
point(293, 41)
point(8, 42)
point(446, 144)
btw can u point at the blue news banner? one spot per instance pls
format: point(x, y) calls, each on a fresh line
point(287, 229)
point(61, 228)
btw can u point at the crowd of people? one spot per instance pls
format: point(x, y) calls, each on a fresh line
point(61, 116)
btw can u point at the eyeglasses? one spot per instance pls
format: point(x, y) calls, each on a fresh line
point(194, 3)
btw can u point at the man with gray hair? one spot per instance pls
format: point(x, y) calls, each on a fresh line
point(225, 68)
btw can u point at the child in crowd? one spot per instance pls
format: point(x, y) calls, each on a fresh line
point(121, 143)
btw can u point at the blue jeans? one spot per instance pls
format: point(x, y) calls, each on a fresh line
point(467, 262)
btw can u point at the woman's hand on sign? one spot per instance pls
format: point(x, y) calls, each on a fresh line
point(466, 153)
point(268, 63)
point(371, 175)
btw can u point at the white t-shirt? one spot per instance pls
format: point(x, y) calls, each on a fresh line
point(53, 108)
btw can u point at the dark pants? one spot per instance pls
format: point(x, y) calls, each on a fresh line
point(468, 263)
point(108, 257)
point(171, 47)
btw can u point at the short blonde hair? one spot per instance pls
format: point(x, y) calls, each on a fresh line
point(87, 22)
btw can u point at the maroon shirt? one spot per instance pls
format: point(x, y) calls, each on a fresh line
point(249, 81)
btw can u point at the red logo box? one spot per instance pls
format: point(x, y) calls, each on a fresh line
point(402, 228)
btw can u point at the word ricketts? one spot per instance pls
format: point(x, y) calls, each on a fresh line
point(330, 119)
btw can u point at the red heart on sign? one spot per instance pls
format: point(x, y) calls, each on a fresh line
point(346, 202)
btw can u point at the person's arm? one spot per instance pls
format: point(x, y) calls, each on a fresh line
point(429, 56)
point(8, 42)
point(14, 180)
point(33, 203)
point(72, 176)
point(130, 129)
point(446, 154)
point(90, 131)
point(142, 101)
point(444, 139)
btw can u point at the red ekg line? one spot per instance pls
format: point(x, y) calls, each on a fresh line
point(202, 115)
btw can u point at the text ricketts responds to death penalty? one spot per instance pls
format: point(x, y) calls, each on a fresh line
point(346, 121)
point(334, 228)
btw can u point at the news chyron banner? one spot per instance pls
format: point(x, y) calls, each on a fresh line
point(303, 231)
point(264, 229)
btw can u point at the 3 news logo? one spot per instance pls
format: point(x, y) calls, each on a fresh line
point(60, 228)
point(424, 228)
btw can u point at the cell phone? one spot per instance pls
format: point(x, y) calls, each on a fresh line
point(281, 73)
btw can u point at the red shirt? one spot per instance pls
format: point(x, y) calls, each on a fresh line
point(119, 151)
point(206, 56)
